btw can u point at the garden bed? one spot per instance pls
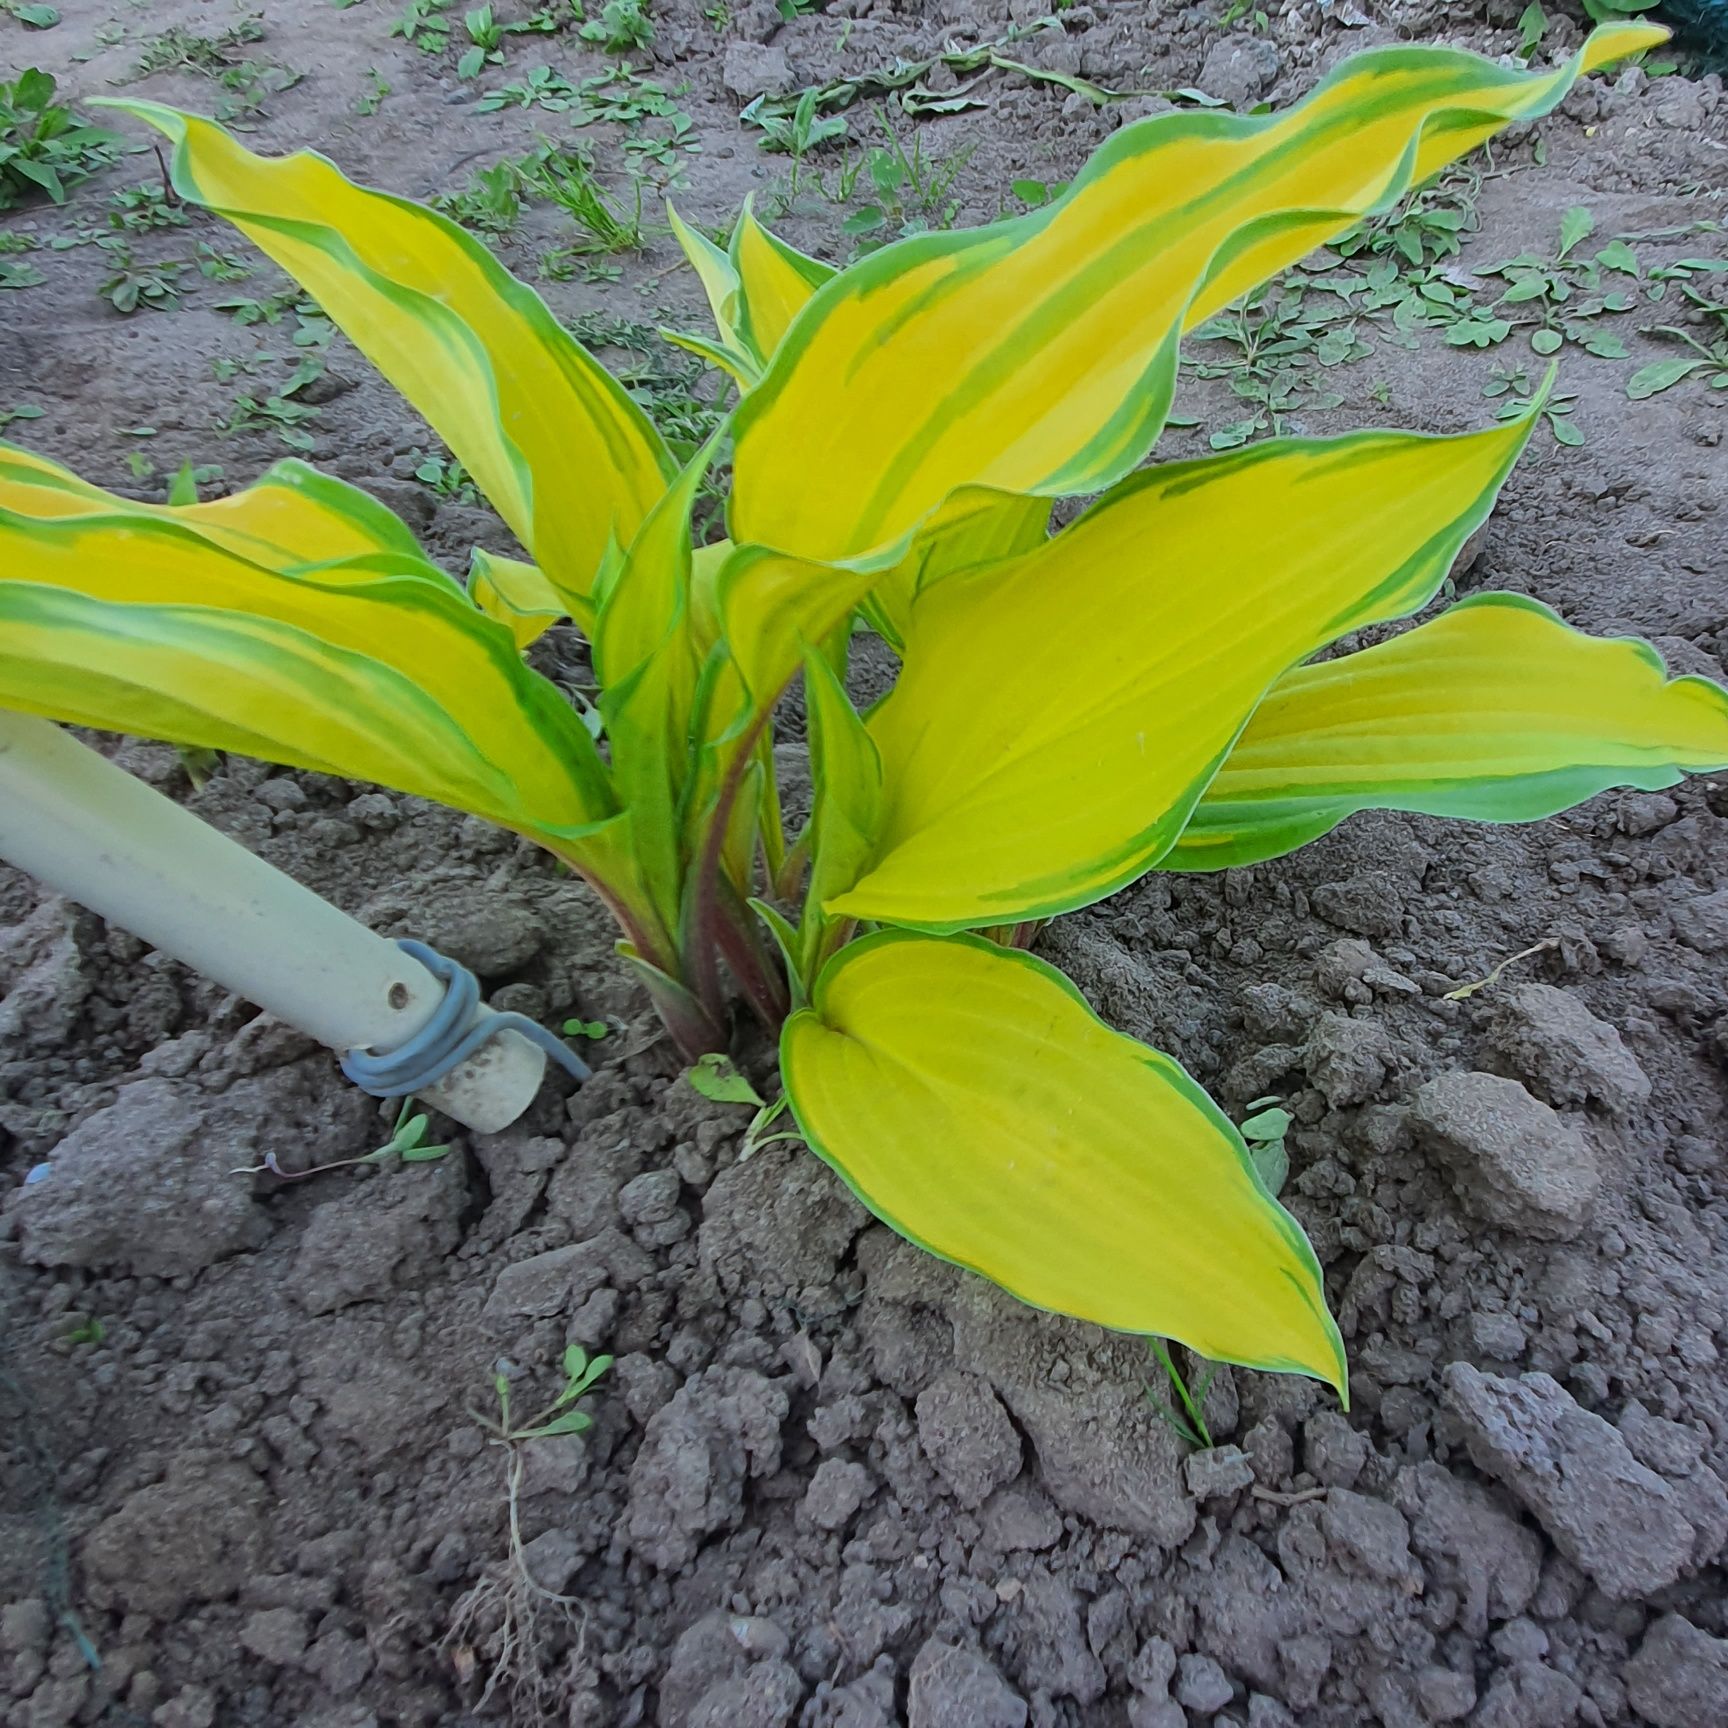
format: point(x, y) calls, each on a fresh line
point(244, 1476)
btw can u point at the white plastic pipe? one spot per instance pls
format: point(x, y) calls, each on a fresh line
point(96, 834)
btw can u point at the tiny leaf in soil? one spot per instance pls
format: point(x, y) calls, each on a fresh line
point(715, 1077)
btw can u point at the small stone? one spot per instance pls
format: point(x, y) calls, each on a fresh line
point(1371, 1535)
point(1443, 1694)
point(340, 1661)
point(1349, 1060)
point(1670, 1447)
point(967, 1436)
point(1552, 1042)
point(143, 1187)
point(1015, 1521)
point(1611, 1516)
point(951, 1685)
point(1645, 812)
point(765, 1696)
point(1333, 1453)
point(1370, 904)
point(1529, 1695)
point(1515, 1162)
point(650, 1198)
point(193, 1537)
point(376, 811)
point(190, 1707)
point(491, 933)
point(1702, 922)
point(753, 69)
point(276, 1635)
point(1153, 1667)
point(1239, 69)
point(687, 1481)
point(1265, 1712)
point(1678, 103)
point(836, 1491)
point(25, 1626)
point(1144, 1712)
point(1679, 1676)
point(1217, 1473)
point(280, 794)
point(1202, 1685)
point(562, 1279)
point(1498, 1336)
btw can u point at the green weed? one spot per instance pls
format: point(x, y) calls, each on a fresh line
point(908, 193)
point(1708, 357)
point(44, 147)
point(1185, 1418)
point(446, 478)
point(622, 27)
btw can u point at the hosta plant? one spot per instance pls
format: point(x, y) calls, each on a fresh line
point(1138, 691)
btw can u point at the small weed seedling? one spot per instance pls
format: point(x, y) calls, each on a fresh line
point(502, 1618)
point(909, 194)
point(1247, 13)
point(1709, 356)
point(277, 412)
point(1035, 194)
point(1264, 1129)
point(407, 1142)
point(566, 178)
point(491, 202)
point(131, 285)
point(1560, 298)
point(30, 15)
point(1493, 975)
point(1186, 1418)
point(446, 478)
point(486, 35)
point(377, 88)
point(622, 27)
point(1511, 386)
point(151, 204)
point(1283, 343)
point(44, 147)
point(181, 50)
point(560, 1416)
point(542, 88)
point(715, 1077)
point(423, 23)
point(798, 133)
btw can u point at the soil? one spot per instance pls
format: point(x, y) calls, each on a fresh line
point(831, 1482)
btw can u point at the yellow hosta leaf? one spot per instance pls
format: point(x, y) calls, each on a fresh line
point(376, 668)
point(775, 609)
point(293, 515)
point(719, 279)
point(976, 525)
point(846, 784)
point(755, 289)
point(648, 665)
point(1495, 712)
point(974, 1102)
point(714, 270)
point(1039, 355)
point(1058, 715)
point(775, 281)
point(565, 456)
point(518, 596)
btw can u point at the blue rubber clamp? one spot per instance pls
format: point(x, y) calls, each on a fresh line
point(449, 1038)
